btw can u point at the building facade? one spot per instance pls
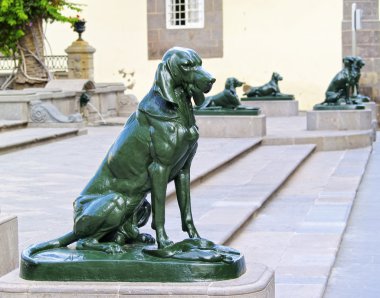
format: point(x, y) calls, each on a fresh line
point(249, 39)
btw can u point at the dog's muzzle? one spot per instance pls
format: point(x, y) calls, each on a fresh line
point(209, 86)
point(202, 83)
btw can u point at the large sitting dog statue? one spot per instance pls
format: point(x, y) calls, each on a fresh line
point(340, 86)
point(156, 145)
point(344, 87)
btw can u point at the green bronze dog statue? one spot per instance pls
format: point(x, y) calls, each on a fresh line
point(156, 146)
point(227, 99)
point(344, 87)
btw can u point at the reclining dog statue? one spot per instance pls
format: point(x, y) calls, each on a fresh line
point(227, 99)
point(269, 89)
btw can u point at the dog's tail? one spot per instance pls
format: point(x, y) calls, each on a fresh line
point(55, 243)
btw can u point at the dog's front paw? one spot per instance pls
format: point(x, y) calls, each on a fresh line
point(192, 231)
point(164, 243)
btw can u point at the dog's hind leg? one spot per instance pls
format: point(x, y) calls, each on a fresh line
point(96, 217)
point(182, 185)
point(159, 176)
point(129, 231)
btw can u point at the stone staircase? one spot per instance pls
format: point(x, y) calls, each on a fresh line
point(298, 233)
point(283, 206)
point(15, 135)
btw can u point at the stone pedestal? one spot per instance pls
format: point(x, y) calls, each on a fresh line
point(8, 244)
point(231, 126)
point(339, 120)
point(80, 60)
point(274, 108)
point(257, 282)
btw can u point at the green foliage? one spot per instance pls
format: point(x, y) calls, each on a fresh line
point(15, 15)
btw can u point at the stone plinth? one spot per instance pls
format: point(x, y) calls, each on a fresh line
point(80, 60)
point(274, 108)
point(8, 243)
point(339, 120)
point(231, 126)
point(257, 282)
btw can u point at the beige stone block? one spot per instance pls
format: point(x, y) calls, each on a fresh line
point(275, 108)
point(14, 111)
point(8, 243)
point(231, 126)
point(339, 120)
point(257, 282)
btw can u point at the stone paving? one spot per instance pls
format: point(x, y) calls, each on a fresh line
point(16, 139)
point(299, 230)
point(356, 272)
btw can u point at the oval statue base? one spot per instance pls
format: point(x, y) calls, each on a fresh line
point(65, 264)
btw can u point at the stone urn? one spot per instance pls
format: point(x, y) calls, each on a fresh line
point(80, 27)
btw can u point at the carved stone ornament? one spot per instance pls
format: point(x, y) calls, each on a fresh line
point(44, 112)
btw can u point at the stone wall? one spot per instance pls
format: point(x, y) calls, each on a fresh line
point(207, 41)
point(368, 44)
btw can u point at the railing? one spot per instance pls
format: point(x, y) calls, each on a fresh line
point(56, 63)
point(53, 63)
point(7, 64)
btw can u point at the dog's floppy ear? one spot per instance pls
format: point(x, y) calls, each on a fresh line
point(163, 83)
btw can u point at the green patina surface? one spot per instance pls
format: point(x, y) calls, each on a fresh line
point(268, 98)
point(134, 265)
point(326, 107)
point(156, 146)
point(343, 89)
point(228, 112)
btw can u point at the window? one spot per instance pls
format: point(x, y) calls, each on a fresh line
point(183, 14)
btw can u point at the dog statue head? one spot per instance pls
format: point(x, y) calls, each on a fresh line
point(233, 83)
point(182, 68)
point(276, 77)
point(359, 63)
point(348, 61)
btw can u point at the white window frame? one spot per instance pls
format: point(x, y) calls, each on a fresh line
point(189, 24)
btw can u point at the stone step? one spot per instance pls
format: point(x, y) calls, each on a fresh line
point(226, 200)
point(292, 130)
point(355, 272)
point(209, 159)
point(7, 125)
point(299, 233)
point(47, 179)
point(26, 137)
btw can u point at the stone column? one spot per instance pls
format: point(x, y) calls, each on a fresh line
point(80, 60)
point(368, 44)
